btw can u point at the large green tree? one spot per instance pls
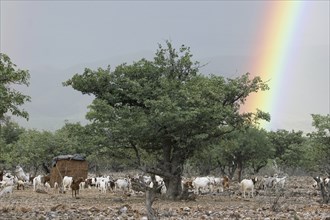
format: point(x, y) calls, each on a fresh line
point(165, 108)
point(11, 99)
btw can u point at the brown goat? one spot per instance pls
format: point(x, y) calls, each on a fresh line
point(225, 182)
point(20, 184)
point(75, 186)
point(45, 179)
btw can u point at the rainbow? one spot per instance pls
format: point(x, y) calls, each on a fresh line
point(271, 58)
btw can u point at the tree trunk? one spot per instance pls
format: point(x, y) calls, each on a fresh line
point(239, 170)
point(257, 166)
point(173, 187)
point(173, 165)
point(325, 193)
point(150, 197)
point(231, 170)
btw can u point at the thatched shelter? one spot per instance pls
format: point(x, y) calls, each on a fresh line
point(68, 165)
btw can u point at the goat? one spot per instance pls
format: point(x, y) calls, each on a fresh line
point(314, 185)
point(267, 182)
point(123, 184)
point(8, 180)
point(7, 190)
point(225, 182)
point(75, 185)
point(56, 190)
point(159, 181)
point(280, 182)
point(324, 185)
point(103, 186)
point(202, 183)
point(248, 185)
point(47, 185)
point(21, 174)
point(66, 183)
point(45, 179)
point(37, 182)
point(82, 185)
point(20, 184)
point(111, 185)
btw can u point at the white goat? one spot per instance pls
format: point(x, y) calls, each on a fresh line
point(160, 183)
point(268, 182)
point(123, 184)
point(82, 185)
point(8, 190)
point(66, 183)
point(202, 183)
point(56, 187)
point(103, 185)
point(37, 182)
point(279, 182)
point(21, 174)
point(8, 180)
point(47, 185)
point(247, 185)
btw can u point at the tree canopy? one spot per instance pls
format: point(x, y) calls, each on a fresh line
point(166, 108)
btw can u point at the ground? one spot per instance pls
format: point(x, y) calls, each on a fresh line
point(298, 201)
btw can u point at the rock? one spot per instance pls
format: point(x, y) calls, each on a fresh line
point(25, 210)
point(186, 209)
point(123, 210)
point(41, 191)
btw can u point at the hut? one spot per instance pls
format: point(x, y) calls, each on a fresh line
point(68, 165)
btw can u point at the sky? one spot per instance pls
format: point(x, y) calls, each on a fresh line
point(56, 39)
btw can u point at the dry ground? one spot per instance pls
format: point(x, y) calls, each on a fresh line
point(299, 201)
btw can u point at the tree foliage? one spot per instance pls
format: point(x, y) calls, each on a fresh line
point(10, 131)
point(11, 99)
point(282, 140)
point(319, 145)
point(247, 148)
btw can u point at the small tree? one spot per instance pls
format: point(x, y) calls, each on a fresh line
point(246, 148)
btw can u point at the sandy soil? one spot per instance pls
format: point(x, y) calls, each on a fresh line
point(299, 201)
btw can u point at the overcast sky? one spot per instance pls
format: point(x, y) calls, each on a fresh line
point(56, 39)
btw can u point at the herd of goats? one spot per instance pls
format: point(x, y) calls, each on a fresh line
point(195, 186)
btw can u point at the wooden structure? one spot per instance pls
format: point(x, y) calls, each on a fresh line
point(68, 165)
